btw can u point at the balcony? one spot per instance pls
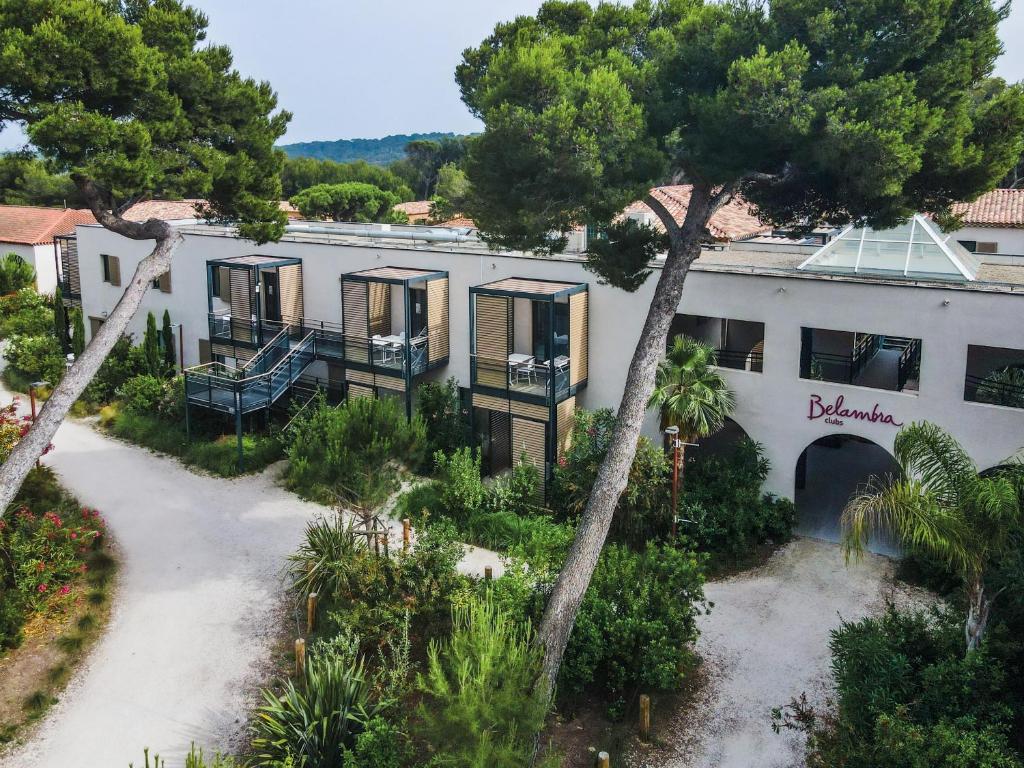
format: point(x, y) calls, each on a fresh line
point(872, 360)
point(995, 375)
point(529, 340)
point(738, 344)
point(250, 299)
point(394, 325)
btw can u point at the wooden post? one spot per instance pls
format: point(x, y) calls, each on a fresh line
point(645, 717)
point(300, 658)
point(311, 612)
point(406, 534)
point(603, 760)
point(488, 572)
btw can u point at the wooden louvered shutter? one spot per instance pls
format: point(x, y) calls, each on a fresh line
point(114, 267)
point(493, 328)
point(165, 282)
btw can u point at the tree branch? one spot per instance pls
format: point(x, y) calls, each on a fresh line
point(102, 207)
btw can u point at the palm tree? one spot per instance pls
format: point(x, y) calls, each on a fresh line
point(689, 390)
point(940, 505)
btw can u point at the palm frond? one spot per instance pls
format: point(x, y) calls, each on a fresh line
point(929, 453)
point(909, 510)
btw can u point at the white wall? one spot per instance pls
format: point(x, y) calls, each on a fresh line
point(772, 406)
point(1010, 240)
point(40, 257)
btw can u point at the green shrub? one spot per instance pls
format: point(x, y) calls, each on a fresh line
point(141, 394)
point(36, 358)
point(25, 313)
point(123, 363)
point(317, 722)
point(350, 452)
point(380, 745)
point(643, 511)
point(479, 707)
point(515, 493)
point(722, 496)
point(462, 489)
point(908, 697)
point(45, 540)
point(368, 595)
point(438, 406)
point(420, 502)
point(15, 274)
point(637, 622)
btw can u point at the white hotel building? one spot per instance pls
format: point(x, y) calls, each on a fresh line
point(830, 343)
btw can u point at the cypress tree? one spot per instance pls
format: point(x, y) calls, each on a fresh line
point(60, 320)
point(167, 337)
point(78, 332)
point(151, 346)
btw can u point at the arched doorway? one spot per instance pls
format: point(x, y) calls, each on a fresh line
point(831, 470)
point(722, 442)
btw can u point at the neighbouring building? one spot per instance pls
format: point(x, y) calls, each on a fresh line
point(831, 341)
point(29, 231)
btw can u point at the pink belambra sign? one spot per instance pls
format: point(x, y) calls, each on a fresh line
point(837, 412)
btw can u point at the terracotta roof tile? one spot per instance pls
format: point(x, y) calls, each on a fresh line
point(35, 225)
point(415, 208)
point(167, 210)
point(998, 208)
point(731, 222)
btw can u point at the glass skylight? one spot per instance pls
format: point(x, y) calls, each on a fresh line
point(916, 249)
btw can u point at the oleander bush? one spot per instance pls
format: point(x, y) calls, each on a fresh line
point(125, 362)
point(47, 540)
point(353, 452)
point(142, 394)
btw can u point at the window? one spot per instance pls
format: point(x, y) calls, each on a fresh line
point(862, 359)
point(215, 281)
point(738, 344)
point(111, 269)
point(975, 246)
point(163, 282)
point(94, 325)
point(995, 375)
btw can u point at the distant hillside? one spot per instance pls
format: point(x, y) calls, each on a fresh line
point(378, 151)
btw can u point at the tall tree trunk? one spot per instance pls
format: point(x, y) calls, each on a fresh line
point(70, 388)
point(978, 607)
point(574, 578)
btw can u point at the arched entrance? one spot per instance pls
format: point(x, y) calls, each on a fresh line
point(722, 442)
point(831, 470)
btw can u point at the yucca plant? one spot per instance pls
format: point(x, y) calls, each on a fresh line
point(942, 506)
point(315, 722)
point(324, 561)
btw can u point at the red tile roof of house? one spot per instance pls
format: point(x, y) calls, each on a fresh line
point(998, 208)
point(167, 210)
point(36, 225)
point(415, 208)
point(730, 222)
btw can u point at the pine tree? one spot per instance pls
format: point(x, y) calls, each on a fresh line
point(167, 338)
point(151, 346)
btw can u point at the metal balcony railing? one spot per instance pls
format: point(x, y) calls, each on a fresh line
point(522, 374)
point(986, 389)
point(742, 361)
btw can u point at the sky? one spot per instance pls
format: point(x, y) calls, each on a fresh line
point(369, 68)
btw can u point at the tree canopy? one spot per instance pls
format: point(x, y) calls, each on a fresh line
point(351, 201)
point(300, 173)
point(26, 180)
point(815, 112)
point(123, 97)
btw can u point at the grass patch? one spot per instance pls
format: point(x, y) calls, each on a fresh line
point(37, 702)
point(96, 597)
point(86, 623)
point(58, 674)
point(216, 454)
point(71, 643)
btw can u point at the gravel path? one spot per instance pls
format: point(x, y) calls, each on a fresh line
point(764, 643)
point(198, 605)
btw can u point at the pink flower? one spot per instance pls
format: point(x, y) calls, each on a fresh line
point(65, 590)
point(74, 535)
point(42, 587)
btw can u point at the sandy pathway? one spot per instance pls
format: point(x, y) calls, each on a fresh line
point(765, 643)
point(200, 592)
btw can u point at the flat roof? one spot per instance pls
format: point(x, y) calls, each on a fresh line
point(399, 274)
point(254, 260)
point(529, 286)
